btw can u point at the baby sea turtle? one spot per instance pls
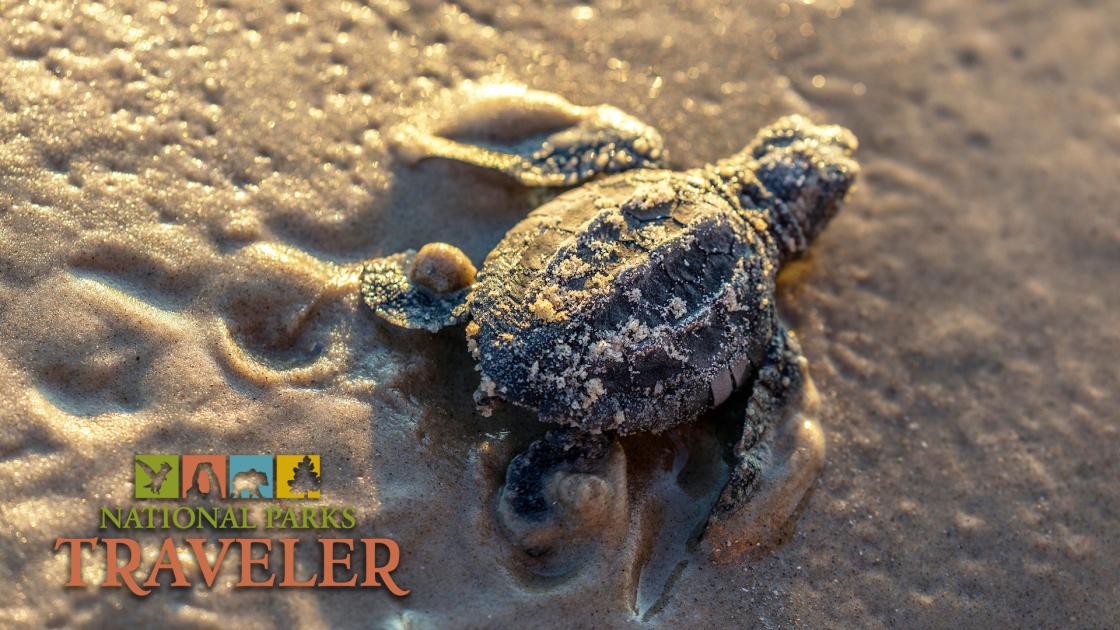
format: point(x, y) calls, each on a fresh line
point(636, 301)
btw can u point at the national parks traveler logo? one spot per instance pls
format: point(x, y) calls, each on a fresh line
point(227, 476)
point(205, 531)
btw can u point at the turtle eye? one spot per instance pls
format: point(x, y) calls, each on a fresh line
point(537, 552)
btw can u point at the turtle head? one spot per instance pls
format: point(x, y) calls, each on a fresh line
point(807, 170)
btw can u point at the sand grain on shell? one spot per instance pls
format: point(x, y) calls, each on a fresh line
point(185, 189)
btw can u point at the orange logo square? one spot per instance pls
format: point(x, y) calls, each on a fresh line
point(204, 476)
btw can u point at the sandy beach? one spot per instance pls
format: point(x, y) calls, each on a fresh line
point(188, 192)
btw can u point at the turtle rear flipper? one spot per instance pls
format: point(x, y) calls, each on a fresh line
point(389, 290)
point(564, 502)
point(537, 138)
point(778, 457)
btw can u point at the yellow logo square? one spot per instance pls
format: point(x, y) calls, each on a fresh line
point(297, 477)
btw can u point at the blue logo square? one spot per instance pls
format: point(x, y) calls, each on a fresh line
point(251, 477)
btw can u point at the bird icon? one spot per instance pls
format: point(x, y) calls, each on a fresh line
point(155, 479)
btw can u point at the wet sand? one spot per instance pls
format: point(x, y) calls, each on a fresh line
point(178, 184)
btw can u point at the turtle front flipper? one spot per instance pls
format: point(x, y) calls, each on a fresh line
point(537, 138)
point(778, 457)
point(424, 290)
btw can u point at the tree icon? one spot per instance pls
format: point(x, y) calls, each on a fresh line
point(305, 479)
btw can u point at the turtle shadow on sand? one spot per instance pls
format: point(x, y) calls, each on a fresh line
point(442, 197)
point(278, 315)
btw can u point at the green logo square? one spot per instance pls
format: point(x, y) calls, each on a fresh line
point(157, 477)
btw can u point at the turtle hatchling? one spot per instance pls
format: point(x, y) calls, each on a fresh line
point(635, 298)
